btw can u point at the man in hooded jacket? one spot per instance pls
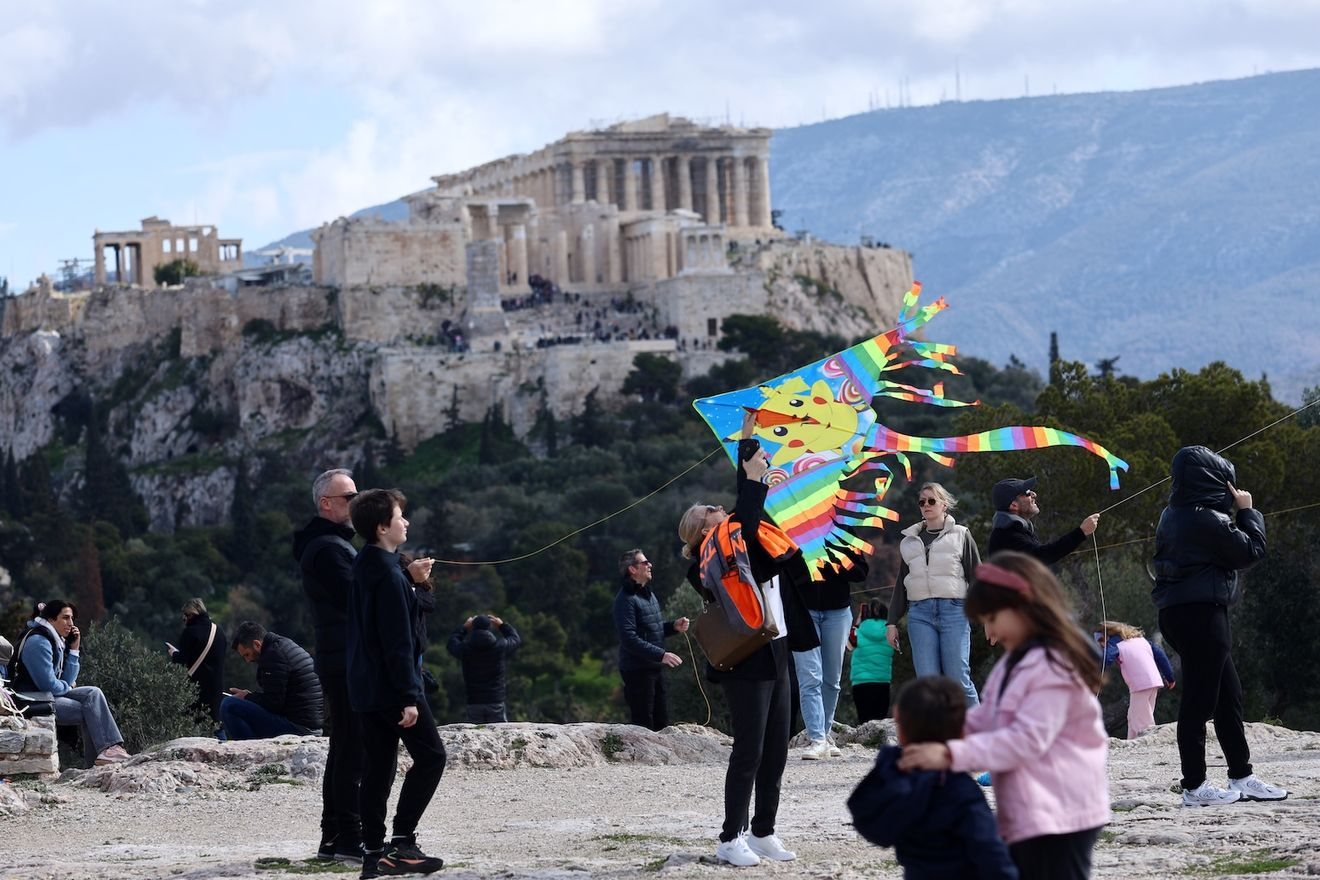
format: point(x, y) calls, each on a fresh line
point(483, 655)
point(1207, 534)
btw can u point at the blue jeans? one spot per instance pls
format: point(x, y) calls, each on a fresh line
point(819, 669)
point(244, 719)
point(941, 641)
point(86, 707)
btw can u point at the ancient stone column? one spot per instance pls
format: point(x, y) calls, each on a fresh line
point(517, 251)
point(561, 258)
point(630, 200)
point(761, 194)
point(739, 191)
point(579, 194)
point(683, 168)
point(614, 254)
point(604, 171)
point(712, 191)
point(658, 184)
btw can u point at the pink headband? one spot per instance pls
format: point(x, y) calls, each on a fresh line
point(994, 574)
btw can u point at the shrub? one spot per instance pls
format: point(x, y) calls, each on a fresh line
point(152, 699)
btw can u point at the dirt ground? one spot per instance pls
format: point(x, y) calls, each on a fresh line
point(620, 818)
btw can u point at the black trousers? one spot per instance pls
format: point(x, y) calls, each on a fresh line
point(381, 735)
point(1211, 689)
point(760, 712)
point(644, 692)
point(871, 700)
point(343, 765)
point(1055, 856)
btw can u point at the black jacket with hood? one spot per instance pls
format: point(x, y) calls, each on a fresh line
point(325, 558)
point(483, 654)
point(640, 626)
point(288, 682)
point(937, 822)
point(1200, 544)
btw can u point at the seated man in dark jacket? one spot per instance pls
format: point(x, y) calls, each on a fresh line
point(483, 654)
point(290, 697)
point(937, 822)
point(1012, 527)
point(642, 654)
point(201, 651)
point(1207, 534)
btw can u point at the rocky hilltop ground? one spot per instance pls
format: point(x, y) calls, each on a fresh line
point(539, 800)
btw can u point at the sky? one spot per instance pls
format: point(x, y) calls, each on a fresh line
point(265, 118)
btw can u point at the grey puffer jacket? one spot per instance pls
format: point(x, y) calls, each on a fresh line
point(1200, 545)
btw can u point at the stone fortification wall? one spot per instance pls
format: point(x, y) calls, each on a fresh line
point(369, 250)
point(697, 303)
point(27, 745)
point(388, 314)
point(412, 389)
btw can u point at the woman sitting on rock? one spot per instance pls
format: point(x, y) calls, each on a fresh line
point(47, 660)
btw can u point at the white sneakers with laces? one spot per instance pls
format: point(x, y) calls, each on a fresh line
point(1252, 789)
point(769, 847)
point(835, 751)
point(819, 750)
point(1206, 795)
point(737, 853)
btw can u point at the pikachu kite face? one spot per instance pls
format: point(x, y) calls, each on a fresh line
point(802, 419)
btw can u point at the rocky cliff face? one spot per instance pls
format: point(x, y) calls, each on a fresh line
point(188, 381)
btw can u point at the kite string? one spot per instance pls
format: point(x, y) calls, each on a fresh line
point(1104, 615)
point(695, 674)
point(607, 516)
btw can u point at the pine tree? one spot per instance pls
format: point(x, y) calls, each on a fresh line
point(1056, 376)
point(107, 491)
point(589, 427)
point(243, 521)
point(451, 413)
point(88, 592)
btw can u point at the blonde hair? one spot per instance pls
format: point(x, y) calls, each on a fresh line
point(194, 607)
point(941, 493)
point(1124, 631)
point(689, 528)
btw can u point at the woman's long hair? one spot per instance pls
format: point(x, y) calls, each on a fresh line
point(1046, 609)
point(689, 529)
point(1124, 631)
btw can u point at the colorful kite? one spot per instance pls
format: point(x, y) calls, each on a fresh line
point(820, 431)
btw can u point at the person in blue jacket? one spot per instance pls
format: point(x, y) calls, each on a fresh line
point(937, 822)
point(47, 659)
point(385, 690)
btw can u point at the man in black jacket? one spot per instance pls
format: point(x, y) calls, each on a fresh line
point(1207, 534)
point(1012, 527)
point(642, 654)
point(290, 697)
point(325, 558)
point(483, 655)
point(385, 688)
point(201, 651)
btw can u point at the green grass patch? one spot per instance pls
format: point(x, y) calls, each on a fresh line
point(304, 866)
point(611, 744)
point(1261, 861)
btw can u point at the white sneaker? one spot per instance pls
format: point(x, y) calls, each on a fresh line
point(1252, 789)
point(737, 853)
point(835, 751)
point(819, 750)
point(769, 848)
point(1206, 795)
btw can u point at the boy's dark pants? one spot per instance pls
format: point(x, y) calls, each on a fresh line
point(381, 735)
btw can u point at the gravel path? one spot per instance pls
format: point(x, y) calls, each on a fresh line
point(634, 820)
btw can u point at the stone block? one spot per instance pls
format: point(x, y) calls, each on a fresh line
point(42, 764)
point(39, 742)
point(11, 741)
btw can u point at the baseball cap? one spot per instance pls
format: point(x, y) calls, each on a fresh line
point(1006, 491)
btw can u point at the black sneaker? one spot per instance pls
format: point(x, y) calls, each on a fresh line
point(405, 858)
point(326, 851)
point(370, 864)
point(348, 853)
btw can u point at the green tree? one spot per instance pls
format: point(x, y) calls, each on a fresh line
point(175, 271)
point(107, 491)
point(591, 427)
point(653, 378)
point(242, 520)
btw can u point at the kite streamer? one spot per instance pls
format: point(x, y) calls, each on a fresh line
point(820, 431)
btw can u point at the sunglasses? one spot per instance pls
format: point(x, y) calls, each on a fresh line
point(925, 502)
point(347, 496)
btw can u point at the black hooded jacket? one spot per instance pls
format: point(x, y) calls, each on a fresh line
point(325, 558)
point(289, 686)
point(937, 822)
point(1200, 545)
point(483, 655)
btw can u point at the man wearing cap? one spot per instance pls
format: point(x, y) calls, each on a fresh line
point(1013, 529)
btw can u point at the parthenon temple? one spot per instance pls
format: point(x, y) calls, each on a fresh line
point(635, 202)
point(136, 254)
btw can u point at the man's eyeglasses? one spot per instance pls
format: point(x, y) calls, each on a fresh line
point(924, 502)
point(347, 496)
point(643, 562)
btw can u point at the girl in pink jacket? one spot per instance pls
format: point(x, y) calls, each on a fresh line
point(1038, 729)
point(1145, 668)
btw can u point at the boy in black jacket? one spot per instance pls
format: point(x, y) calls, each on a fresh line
point(937, 822)
point(385, 689)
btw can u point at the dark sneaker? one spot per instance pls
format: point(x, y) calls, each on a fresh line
point(348, 853)
point(400, 858)
point(326, 851)
point(370, 864)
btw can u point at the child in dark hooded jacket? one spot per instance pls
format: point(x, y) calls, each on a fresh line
point(937, 822)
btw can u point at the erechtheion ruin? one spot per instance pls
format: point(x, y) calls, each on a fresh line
point(137, 254)
point(635, 202)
